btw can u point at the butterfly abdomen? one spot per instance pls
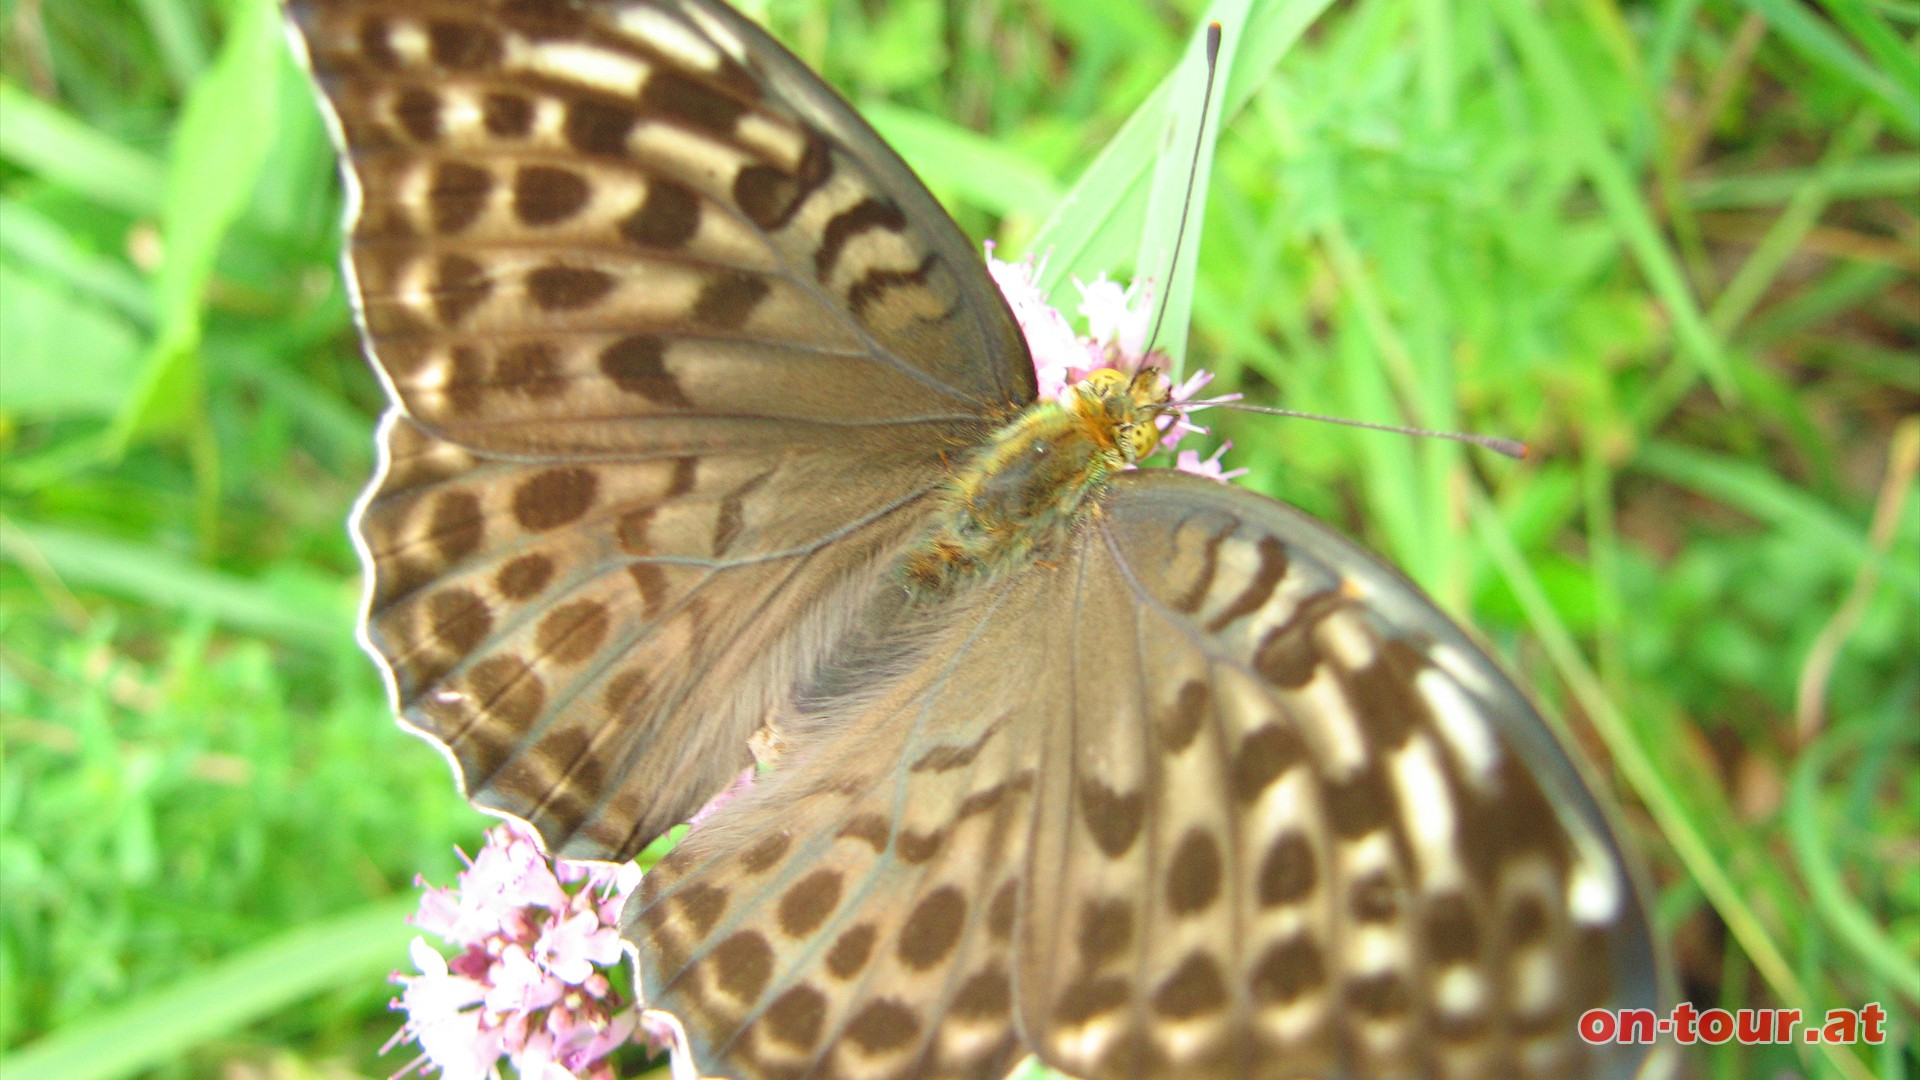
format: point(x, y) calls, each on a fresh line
point(1014, 499)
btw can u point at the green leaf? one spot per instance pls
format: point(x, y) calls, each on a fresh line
point(219, 147)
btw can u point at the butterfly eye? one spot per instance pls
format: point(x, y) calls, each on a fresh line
point(1150, 386)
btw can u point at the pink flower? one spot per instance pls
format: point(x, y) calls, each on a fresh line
point(663, 1032)
point(527, 983)
point(1119, 318)
point(740, 783)
point(440, 1019)
point(1057, 352)
point(572, 947)
point(520, 985)
point(1190, 461)
point(1177, 426)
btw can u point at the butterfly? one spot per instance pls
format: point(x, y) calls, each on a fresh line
point(712, 441)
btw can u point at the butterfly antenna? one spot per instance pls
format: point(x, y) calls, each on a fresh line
point(1193, 174)
point(1512, 448)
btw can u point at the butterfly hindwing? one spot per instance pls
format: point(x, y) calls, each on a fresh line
point(641, 290)
point(1237, 802)
point(854, 914)
point(1327, 837)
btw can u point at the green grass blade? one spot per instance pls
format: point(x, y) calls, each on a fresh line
point(1813, 856)
point(1784, 237)
point(66, 355)
point(176, 31)
point(62, 149)
point(971, 167)
point(220, 145)
point(1882, 44)
point(35, 239)
point(314, 614)
point(1175, 215)
point(1614, 182)
point(1376, 385)
point(1097, 221)
point(1879, 177)
point(1759, 491)
point(1848, 286)
point(158, 1028)
point(1821, 45)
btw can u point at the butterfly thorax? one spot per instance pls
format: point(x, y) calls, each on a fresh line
point(1020, 494)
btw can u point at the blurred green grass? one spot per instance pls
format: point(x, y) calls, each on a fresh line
point(1671, 244)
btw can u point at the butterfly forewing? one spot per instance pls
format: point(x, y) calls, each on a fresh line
point(591, 642)
point(632, 279)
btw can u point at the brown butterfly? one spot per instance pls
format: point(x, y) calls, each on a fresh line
point(709, 429)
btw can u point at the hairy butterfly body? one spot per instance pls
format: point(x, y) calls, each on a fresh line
point(708, 421)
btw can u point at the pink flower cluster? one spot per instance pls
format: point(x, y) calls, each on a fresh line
point(526, 984)
point(1118, 322)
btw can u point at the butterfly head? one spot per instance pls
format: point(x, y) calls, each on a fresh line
point(1123, 409)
